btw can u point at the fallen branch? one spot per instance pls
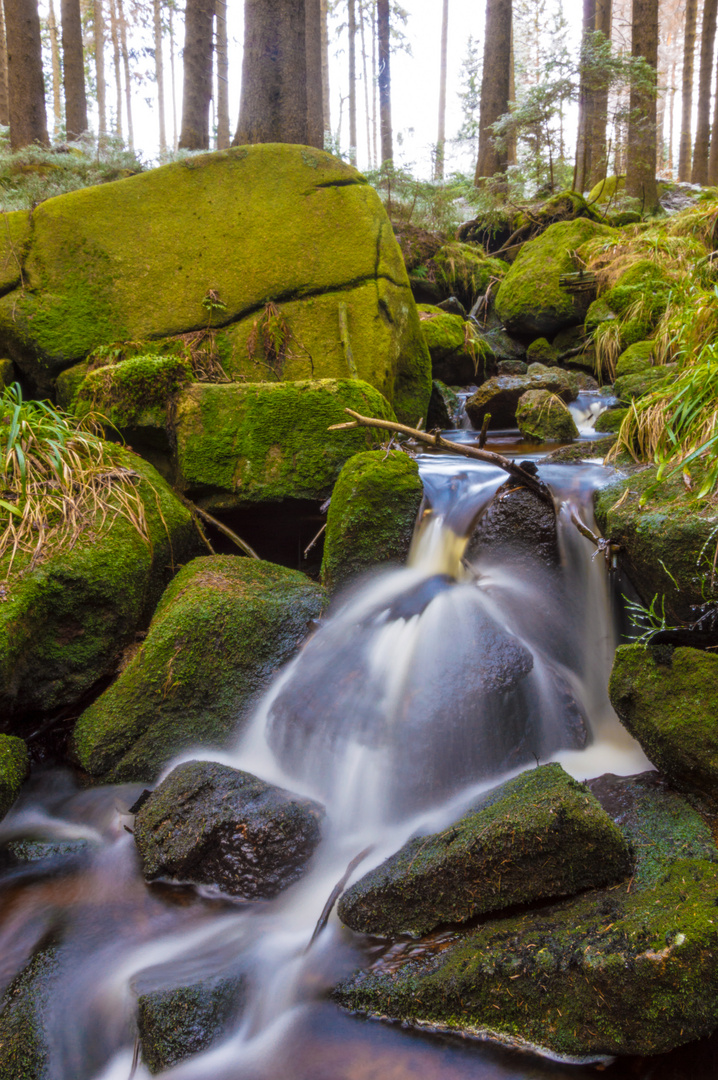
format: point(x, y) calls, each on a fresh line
point(439, 443)
point(241, 544)
point(336, 893)
point(607, 547)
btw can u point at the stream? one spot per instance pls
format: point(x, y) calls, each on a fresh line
point(376, 718)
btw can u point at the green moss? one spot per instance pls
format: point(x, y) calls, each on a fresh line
point(135, 392)
point(581, 451)
point(542, 352)
point(372, 515)
point(174, 1024)
point(223, 627)
point(542, 417)
point(14, 238)
point(14, 770)
point(68, 382)
point(464, 271)
point(637, 358)
point(606, 190)
point(610, 420)
point(238, 444)
point(26, 1041)
point(628, 387)
point(444, 333)
point(530, 299)
point(8, 374)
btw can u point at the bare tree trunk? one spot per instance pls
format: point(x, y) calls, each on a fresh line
point(689, 48)
point(671, 119)
point(114, 33)
point(441, 132)
point(375, 85)
point(197, 65)
point(4, 104)
point(313, 67)
point(160, 74)
point(26, 89)
point(584, 141)
point(126, 64)
point(99, 34)
point(713, 156)
point(56, 69)
point(494, 86)
point(511, 142)
point(699, 174)
point(326, 110)
point(641, 164)
point(222, 76)
point(599, 108)
point(365, 75)
point(74, 64)
point(174, 82)
point(384, 60)
point(352, 31)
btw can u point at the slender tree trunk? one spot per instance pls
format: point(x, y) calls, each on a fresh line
point(671, 119)
point(160, 73)
point(197, 65)
point(56, 69)
point(175, 139)
point(313, 68)
point(641, 163)
point(326, 110)
point(584, 141)
point(511, 142)
point(441, 132)
point(689, 48)
point(352, 32)
point(375, 85)
point(494, 86)
point(4, 104)
point(599, 108)
point(26, 89)
point(222, 76)
point(122, 22)
point(99, 34)
point(74, 65)
point(384, 61)
point(713, 156)
point(114, 34)
point(699, 174)
point(365, 75)
point(661, 104)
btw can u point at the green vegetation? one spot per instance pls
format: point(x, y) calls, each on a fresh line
point(543, 417)
point(14, 770)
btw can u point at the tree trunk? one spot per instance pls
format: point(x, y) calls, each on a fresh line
point(160, 74)
point(365, 75)
point(222, 76)
point(175, 138)
point(56, 65)
point(671, 118)
point(26, 89)
point(689, 48)
point(641, 162)
point(384, 62)
point(197, 92)
point(115, 35)
point(326, 111)
point(313, 67)
point(441, 132)
point(4, 104)
point(494, 86)
point(713, 156)
point(375, 85)
point(512, 141)
point(74, 63)
point(584, 140)
point(352, 32)
point(122, 22)
point(699, 174)
point(599, 108)
point(99, 34)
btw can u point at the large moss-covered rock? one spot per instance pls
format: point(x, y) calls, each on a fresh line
point(65, 623)
point(636, 359)
point(666, 543)
point(543, 417)
point(464, 271)
point(500, 395)
point(133, 393)
point(668, 699)
point(530, 300)
point(538, 836)
point(259, 442)
point(631, 386)
point(212, 240)
point(26, 1041)
point(14, 770)
point(372, 515)
point(457, 353)
point(615, 971)
point(637, 301)
point(610, 420)
point(14, 239)
point(220, 631)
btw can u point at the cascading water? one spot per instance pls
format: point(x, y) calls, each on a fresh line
point(424, 687)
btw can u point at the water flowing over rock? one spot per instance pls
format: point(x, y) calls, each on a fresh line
point(213, 825)
point(500, 395)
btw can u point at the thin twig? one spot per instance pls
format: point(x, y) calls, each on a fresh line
point(336, 893)
point(311, 543)
point(242, 544)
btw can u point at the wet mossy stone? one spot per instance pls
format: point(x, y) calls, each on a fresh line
point(141, 258)
point(452, 360)
point(371, 516)
point(14, 239)
point(26, 1041)
point(174, 1024)
point(538, 836)
point(530, 299)
point(666, 545)
point(628, 387)
point(68, 382)
point(443, 407)
point(543, 352)
point(668, 701)
point(581, 451)
point(500, 395)
point(222, 629)
point(212, 825)
point(610, 420)
point(264, 442)
point(637, 358)
point(133, 393)
point(543, 417)
point(65, 623)
point(627, 970)
point(517, 527)
point(14, 770)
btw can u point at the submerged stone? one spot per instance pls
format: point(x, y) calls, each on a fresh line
point(220, 632)
point(518, 527)
point(14, 770)
point(536, 837)
point(213, 825)
point(543, 417)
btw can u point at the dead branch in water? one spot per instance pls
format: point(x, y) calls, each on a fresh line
point(336, 893)
point(229, 533)
point(439, 443)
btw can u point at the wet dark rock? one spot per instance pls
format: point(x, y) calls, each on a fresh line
point(176, 1023)
point(500, 395)
point(518, 525)
point(30, 851)
point(14, 770)
point(512, 367)
point(453, 306)
point(539, 836)
point(581, 451)
point(25, 1039)
point(213, 825)
point(417, 245)
point(490, 230)
point(502, 347)
point(668, 699)
point(443, 407)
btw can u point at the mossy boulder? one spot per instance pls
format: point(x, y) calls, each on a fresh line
point(666, 543)
point(25, 1008)
point(500, 395)
point(371, 516)
point(668, 699)
point(457, 353)
point(443, 407)
point(636, 359)
point(614, 971)
point(65, 622)
point(536, 837)
point(212, 240)
point(16, 232)
point(628, 387)
point(610, 420)
point(14, 770)
point(530, 300)
point(543, 417)
point(68, 383)
point(133, 393)
point(464, 271)
point(543, 352)
point(220, 631)
point(264, 442)
point(606, 190)
point(638, 300)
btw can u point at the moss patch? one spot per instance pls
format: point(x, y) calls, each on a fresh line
point(14, 770)
point(610, 420)
point(26, 1042)
point(174, 1024)
point(636, 359)
point(542, 417)
point(135, 392)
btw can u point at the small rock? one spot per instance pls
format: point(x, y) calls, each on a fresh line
point(542, 417)
point(500, 395)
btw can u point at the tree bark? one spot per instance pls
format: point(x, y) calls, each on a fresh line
point(26, 88)
point(122, 21)
point(314, 73)
point(99, 35)
point(326, 112)
point(599, 108)
point(365, 74)
point(352, 32)
point(494, 86)
point(641, 158)
point(584, 141)
point(56, 66)
point(175, 138)
point(115, 35)
point(689, 48)
point(713, 156)
point(4, 104)
point(74, 64)
point(160, 74)
point(699, 174)
point(222, 76)
point(441, 132)
point(384, 78)
point(197, 92)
